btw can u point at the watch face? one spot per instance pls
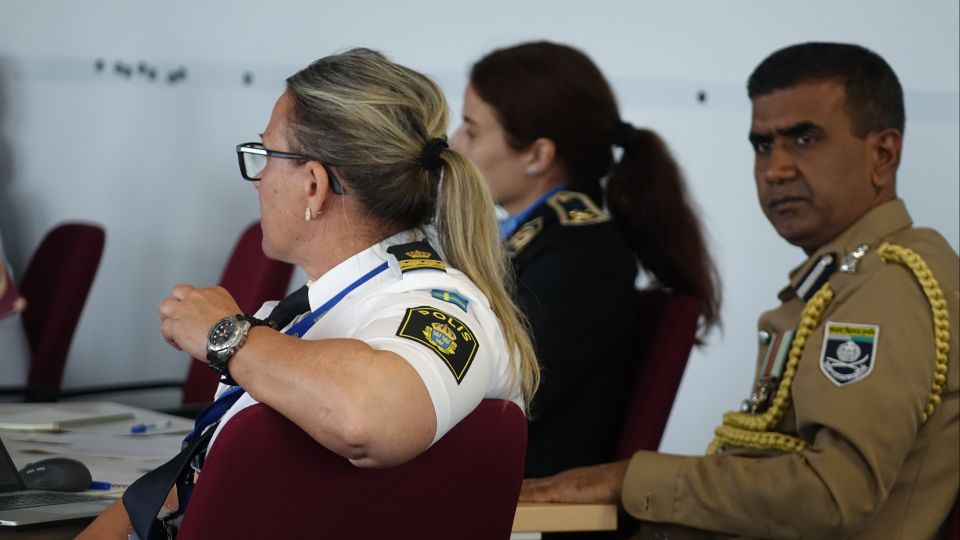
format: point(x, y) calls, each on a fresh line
point(223, 334)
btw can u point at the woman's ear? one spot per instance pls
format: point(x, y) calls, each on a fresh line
point(541, 156)
point(316, 186)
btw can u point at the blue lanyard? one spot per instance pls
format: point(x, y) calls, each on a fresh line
point(218, 408)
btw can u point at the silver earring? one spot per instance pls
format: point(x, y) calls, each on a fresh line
point(533, 172)
point(307, 214)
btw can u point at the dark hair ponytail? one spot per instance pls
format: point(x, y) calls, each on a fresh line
point(544, 89)
point(648, 200)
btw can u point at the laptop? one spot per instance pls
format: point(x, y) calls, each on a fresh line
point(21, 508)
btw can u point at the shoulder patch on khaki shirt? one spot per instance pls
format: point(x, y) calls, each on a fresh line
point(849, 351)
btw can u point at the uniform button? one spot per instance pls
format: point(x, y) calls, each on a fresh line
point(763, 337)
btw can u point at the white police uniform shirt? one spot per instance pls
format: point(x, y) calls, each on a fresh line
point(376, 311)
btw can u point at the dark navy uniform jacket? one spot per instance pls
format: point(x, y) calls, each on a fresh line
point(575, 281)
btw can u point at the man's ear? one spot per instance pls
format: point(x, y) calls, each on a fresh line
point(541, 155)
point(885, 147)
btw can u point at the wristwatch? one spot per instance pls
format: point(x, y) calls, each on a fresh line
point(225, 339)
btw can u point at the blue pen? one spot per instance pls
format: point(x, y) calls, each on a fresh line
point(143, 428)
point(105, 486)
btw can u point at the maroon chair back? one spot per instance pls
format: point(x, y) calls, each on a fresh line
point(951, 529)
point(266, 478)
point(55, 285)
point(668, 328)
point(252, 278)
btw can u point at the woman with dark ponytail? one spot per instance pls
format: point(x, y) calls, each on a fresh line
point(541, 123)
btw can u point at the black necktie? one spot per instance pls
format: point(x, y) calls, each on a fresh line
point(144, 498)
point(296, 303)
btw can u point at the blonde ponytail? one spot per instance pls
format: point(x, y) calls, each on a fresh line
point(470, 241)
point(370, 119)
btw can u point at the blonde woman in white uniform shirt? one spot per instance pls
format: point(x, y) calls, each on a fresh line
point(353, 164)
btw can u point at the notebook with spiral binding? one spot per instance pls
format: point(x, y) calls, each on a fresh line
point(54, 419)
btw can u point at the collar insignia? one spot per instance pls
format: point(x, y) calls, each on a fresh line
point(524, 235)
point(816, 276)
point(849, 262)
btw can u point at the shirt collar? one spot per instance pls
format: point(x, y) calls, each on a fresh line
point(511, 224)
point(879, 222)
point(342, 275)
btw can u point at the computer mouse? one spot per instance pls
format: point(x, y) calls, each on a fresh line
point(57, 474)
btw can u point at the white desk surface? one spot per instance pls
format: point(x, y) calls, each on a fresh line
point(99, 447)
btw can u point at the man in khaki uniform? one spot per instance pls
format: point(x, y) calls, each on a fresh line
point(852, 429)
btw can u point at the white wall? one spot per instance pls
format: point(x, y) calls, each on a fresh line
point(154, 162)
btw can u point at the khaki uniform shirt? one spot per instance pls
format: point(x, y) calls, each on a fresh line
point(872, 468)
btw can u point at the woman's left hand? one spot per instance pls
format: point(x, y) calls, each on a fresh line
point(188, 314)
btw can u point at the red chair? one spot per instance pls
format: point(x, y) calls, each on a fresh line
point(55, 285)
point(266, 478)
point(668, 328)
point(951, 529)
point(252, 278)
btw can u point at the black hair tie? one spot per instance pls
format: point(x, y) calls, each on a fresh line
point(430, 156)
point(624, 129)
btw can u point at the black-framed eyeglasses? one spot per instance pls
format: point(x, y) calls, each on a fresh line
point(253, 159)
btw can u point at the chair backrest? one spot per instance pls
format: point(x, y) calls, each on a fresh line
point(55, 285)
point(951, 529)
point(252, 278)
point(266, 478)
point(668, 328)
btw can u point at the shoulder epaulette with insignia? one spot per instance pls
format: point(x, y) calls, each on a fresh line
point(575, 208)
point(523, 236)
point(417, 255)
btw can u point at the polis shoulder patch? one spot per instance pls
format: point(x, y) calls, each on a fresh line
point(416, 256)
point(849, 351)
point(575, 208)
point(443, 334)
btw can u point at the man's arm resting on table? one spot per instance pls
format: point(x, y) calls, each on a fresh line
point(599, 484)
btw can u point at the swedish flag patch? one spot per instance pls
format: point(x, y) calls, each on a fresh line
point(451, 297)
point(443, 334)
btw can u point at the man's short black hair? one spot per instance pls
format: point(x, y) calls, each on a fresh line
point(874, 98)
